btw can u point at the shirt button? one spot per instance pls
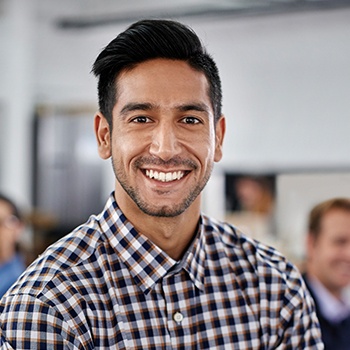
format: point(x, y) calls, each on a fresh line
point(178, 317)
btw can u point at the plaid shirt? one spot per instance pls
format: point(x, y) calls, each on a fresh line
point(106, 286)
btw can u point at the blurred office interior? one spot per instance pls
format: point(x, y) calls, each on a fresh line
point(286, 83)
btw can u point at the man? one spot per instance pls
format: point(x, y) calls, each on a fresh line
point(11, 228)
point(328, 269)
point(151, 272)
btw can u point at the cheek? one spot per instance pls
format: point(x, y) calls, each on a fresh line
point(204, 156)
point(7, 236)
point(332, 254)
point(124, 145)
point(203, 148)
point(125, 151)
point(322, 256)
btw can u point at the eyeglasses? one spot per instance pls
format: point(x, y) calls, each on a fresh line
point(9, 222)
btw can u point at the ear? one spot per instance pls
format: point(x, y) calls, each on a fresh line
point(310, 244)
point(220, 130)
point(103, 136)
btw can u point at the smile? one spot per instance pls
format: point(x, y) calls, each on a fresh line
point(165, 177)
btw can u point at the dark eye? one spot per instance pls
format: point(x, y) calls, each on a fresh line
point(190, 120)
point(141, 119)
point(340, 241)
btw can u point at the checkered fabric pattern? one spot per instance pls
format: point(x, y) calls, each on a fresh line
point(106, 286)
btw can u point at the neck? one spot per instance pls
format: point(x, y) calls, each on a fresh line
point(336, 292)
point(172, 234)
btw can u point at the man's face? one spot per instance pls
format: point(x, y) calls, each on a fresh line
point(330, 252)
point(164, 140)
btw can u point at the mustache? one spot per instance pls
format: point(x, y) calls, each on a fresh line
point(172, 162)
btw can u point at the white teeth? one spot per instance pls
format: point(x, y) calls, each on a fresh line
point(164, 177)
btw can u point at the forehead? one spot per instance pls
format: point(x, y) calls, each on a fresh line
point(336, 221)
point(5, 208)
point(162, 77)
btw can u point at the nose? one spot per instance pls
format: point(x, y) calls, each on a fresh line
point(165, 143)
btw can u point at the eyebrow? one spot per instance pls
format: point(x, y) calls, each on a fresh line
point(199, 107)
point(136, 106)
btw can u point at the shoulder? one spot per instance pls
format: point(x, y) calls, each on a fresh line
point(268, 283)
point(58, 288)
point(236, 242)
point(61, 260)
point(250, 258)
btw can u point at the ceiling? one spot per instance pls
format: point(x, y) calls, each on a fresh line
point(80, 14)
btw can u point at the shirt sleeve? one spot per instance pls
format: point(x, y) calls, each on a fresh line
point(4, 345)
point(26, 322)
point(299, 320)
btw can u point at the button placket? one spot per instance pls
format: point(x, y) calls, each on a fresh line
point(173, 305)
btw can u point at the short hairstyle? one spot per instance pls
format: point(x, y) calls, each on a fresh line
point(14, 209)
point(151, 39)
point(320, 210)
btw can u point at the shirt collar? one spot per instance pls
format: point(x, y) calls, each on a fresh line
point(333, 309)
point(146, 262)
point(195, 257)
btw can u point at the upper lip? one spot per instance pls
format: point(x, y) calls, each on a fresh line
point(174, 164)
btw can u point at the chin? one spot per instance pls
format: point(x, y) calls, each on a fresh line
point(166, 211)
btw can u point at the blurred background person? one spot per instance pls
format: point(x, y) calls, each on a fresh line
point(11, 228)
point(327, 272)
point(254, 194)
point(250, 205)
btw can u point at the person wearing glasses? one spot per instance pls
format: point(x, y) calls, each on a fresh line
point(11, 228)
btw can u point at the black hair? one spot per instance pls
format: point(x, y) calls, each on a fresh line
point(151, 39)
point(14, 209)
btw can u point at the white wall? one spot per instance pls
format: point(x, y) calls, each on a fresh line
point(286, 81)
point(17, 50)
